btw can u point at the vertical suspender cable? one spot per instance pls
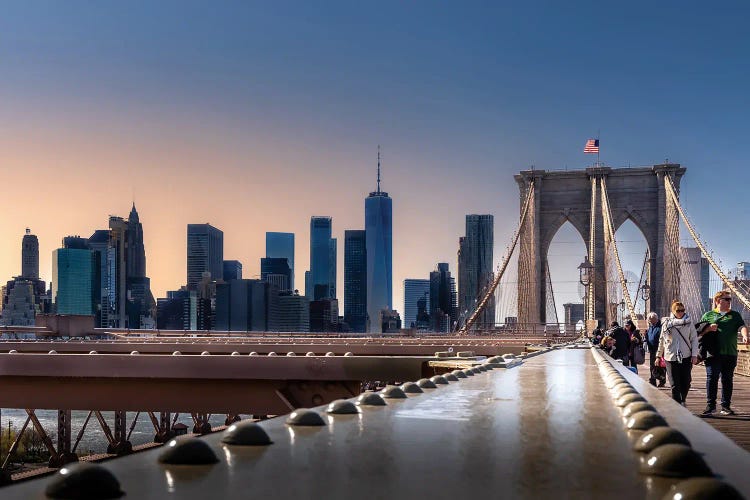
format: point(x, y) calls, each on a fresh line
point(610, 232)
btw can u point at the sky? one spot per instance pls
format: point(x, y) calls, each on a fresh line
point(255, 116)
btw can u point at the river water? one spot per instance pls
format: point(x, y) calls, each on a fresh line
point(93, 440)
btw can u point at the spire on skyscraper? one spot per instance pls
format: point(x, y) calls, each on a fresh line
point(133, 217)
point(378, 168)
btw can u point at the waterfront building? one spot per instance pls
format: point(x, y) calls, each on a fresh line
point(422, 323)
point(475, 267)
point(390, 321)
point(205, 252)
point(442, 299)
point(276, 270)
point(30, 256)
point(355, 280)
point(294, 312)
point(74, 275)
point(281, 245)
point(324, 315)
point(185, 309)
point(174, 312)
point(573, 314)
point(320, 283)
point(246, 305)
point(232, 270)
point(379, 234)
point(414, 290)
point(20, 302)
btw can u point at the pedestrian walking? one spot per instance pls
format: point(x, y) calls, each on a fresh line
point(657, 375)
point(678, 346)
point(635, 341)
point(622, 342)
point(721, 358)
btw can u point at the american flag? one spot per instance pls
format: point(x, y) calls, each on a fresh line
point(592, 146)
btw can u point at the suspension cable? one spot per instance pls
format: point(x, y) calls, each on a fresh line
point(590, 292)
point(672, 193)
point(610, 233)
point(506, 259)
point(550, 294)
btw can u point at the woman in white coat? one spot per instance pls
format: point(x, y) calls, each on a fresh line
point(678, 346)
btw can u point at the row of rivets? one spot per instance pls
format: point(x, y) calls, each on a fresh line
point(668, 452)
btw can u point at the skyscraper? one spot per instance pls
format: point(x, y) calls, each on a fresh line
point(205, 252)
point(136, 252)
point(276, 271)
point(414, 290)
point(98, 243)
point(379, 236)
point(73, 280)
point(475, 267)
point(321, 282)
point(355, 280)
point(442, 299)
point(130, 301)
point(30, 256)
point(22, 298)
point(281, 245)
point(117, 292)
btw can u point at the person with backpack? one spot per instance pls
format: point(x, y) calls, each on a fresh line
point(653, 335)
point(678, 346)
point(635, 345)
point(622, 342)
point(721, 356)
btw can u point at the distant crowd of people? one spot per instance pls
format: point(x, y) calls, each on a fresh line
point(675, 343)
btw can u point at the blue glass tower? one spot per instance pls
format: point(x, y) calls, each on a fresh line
point(379, 236)
point(320, 283)
point(281, 245)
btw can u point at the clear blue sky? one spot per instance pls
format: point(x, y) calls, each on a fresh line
point(187, 104)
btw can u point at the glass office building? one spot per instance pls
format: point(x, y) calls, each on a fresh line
point(379, 235)
point(355, 280)
point(73, 274)
point(281, 246)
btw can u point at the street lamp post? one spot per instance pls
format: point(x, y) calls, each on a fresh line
point(645, 295)
point(585, 273)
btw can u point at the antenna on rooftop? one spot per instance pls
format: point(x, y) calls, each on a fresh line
point(378, 168)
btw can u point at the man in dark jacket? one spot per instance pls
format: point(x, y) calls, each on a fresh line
point(652, 341)
point(622, 342)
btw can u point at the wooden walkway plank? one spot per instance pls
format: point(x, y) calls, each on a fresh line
point(736, 427)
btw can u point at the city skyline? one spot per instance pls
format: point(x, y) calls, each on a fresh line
point(221, 126)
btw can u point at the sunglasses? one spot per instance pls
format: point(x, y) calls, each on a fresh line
point(728, 299)
point(680, 310)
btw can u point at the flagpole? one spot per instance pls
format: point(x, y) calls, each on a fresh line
point(599, 143)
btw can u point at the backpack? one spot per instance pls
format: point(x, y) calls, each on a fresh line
point(639, 354)
point(708, 342)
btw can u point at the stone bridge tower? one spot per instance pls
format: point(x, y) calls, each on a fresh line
point(637, 194)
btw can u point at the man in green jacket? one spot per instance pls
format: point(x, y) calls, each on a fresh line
point(725, 323)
